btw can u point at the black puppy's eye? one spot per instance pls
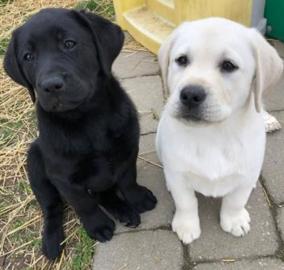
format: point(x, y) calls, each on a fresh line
point(69, 44)
point(228, 66)
point(28, 57)
point(182, 60)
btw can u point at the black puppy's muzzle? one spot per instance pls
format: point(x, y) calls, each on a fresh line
point(55, 94)
point(192, 97)
point(52, 85)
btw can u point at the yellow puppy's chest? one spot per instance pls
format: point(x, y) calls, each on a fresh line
point(216, 188)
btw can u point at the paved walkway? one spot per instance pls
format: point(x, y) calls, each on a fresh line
point(153, 246)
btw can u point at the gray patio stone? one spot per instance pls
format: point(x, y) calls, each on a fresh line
point(148, 122)
point(151, 250)
point(260, 264)
point(280, 221)
point(134, 64)
point(273, 167)
point(146, 93)
point(147, 144)
point(274, 99)
point(279, 46)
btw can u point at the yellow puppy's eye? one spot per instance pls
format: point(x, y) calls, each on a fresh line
point(182, 60)
point(228, 66)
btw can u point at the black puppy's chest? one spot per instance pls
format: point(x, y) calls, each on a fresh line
point(67, 145)
point(66, 137)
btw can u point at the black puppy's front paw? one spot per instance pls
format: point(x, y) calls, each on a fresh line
point(142, 199)
point(103, 231)
point(124, 213)
point(51, 244)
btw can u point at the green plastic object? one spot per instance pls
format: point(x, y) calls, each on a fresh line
point(274, 13)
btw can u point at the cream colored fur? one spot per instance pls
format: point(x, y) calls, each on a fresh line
point(222, 155)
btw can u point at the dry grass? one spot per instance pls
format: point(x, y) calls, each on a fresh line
point(20, 216)
point(104, 7)
point(14, 12)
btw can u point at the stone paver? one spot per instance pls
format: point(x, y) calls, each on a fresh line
point(148, 122)
point(151, 157)
point(279, 46)
point(147, 144)
point(273, 167)
point(261, 264)
point(280, 221)
point(151, 250)
point(133, 64)
point(147, 148)
point(214, 243)
point(274, 100)
point(147, 94)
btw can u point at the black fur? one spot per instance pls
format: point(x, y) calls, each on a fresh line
point(88, 129)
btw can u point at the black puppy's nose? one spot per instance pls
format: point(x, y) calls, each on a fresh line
point(192, 95)
point(52, 84)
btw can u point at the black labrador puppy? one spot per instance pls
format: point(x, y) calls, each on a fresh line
point(88, 129)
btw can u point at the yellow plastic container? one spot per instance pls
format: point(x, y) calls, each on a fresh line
point(151, 21)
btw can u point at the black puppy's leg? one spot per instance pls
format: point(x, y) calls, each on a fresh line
point(119, 208)
point(50, 203)
point(97, 224)
point(95, 174)
point(141, 198)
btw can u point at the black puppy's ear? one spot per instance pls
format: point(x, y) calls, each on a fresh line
point(13, 68)
point(108, 37)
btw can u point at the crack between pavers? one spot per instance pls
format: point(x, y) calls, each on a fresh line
point(159, 228)
point(138, 76)
point(187, 263)
point(273, 210)
point(148, 133)
point(151, 163)
point(233, 260)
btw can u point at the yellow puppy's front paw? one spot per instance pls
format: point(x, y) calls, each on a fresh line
point(186, 227)
point(237, 224)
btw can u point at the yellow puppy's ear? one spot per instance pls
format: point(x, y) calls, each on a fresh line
point(164, 58)
point(269, 67)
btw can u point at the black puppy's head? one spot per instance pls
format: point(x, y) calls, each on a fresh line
point(59, 54)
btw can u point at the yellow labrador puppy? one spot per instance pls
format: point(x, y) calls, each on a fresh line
point(211, 136)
